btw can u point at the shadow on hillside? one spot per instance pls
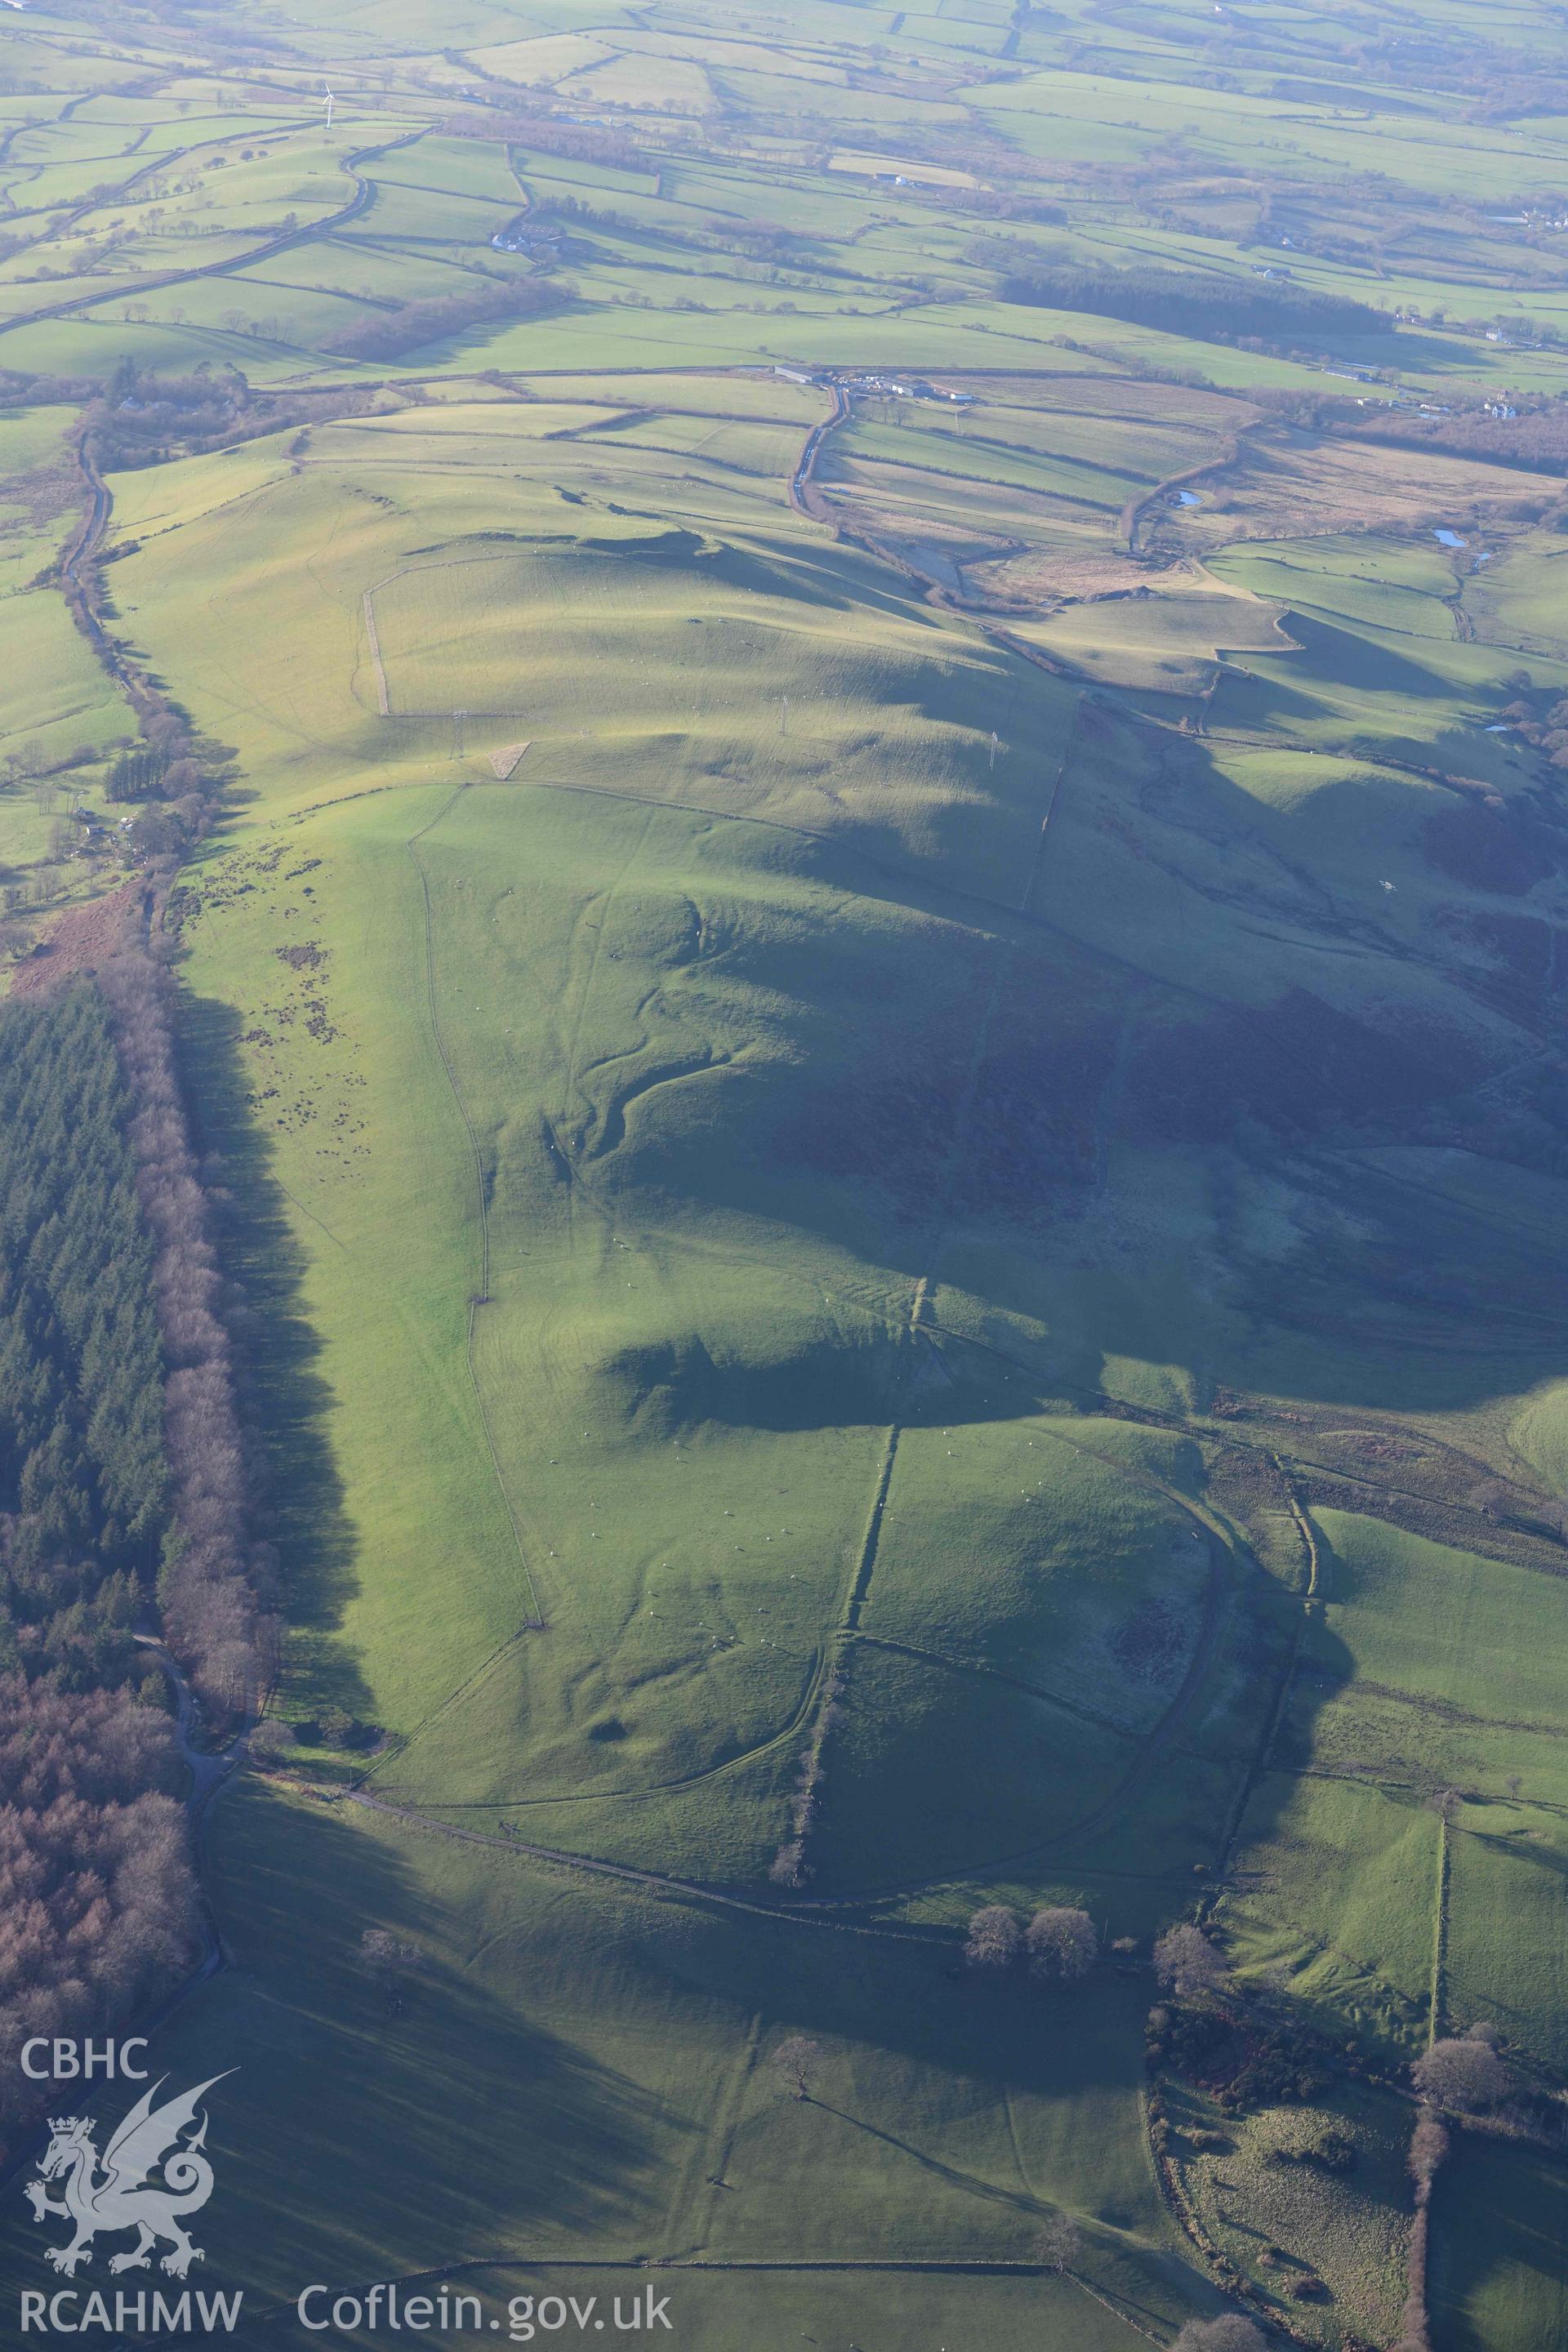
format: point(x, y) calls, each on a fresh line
point(358, 2136)
point(1499, 2268)
point(986, 1079)
point(284, 1398)
point(440, 2124)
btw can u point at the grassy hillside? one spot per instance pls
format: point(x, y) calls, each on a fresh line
point(871, 977)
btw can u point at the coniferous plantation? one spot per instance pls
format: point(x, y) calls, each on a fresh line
point(1185, 302)
point(83, 1478)
point(97, 1899)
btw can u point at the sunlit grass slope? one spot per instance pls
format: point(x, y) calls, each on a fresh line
point(888, 1141)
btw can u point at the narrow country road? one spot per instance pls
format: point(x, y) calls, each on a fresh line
point(800, 480)
point(283, 241)
point(208, 1772)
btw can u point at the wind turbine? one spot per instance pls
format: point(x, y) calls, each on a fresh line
point(330, 104)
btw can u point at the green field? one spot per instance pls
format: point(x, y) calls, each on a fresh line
point(870, 981)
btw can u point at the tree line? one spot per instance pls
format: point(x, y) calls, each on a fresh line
point(216, 1589)
point(386, 335)
point(1538, 439)
point(580, 143)
point(137, 418)
point(97, 1898)
point(1176, 301)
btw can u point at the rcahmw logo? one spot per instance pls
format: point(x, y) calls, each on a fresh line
point(152, 2174)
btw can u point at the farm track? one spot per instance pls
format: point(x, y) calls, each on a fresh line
point(601, 905)
point(383, 700)
point(802, 494)
point(82, 549)
point(653, 1882)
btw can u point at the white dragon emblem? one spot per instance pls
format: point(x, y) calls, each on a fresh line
point(115, 2198)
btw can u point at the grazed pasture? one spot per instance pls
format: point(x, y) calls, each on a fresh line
point(872, 980)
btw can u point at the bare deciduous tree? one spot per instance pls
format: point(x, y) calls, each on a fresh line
point(1229, 2333)
point(388, 1962)
point(1465, 2073)
point(1429, 2148)
point(1187, 1964)
point(995, 1938)
point(794, 2061)
point(272, 1742)
point(1059, 2246)
point(1062, 1943)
